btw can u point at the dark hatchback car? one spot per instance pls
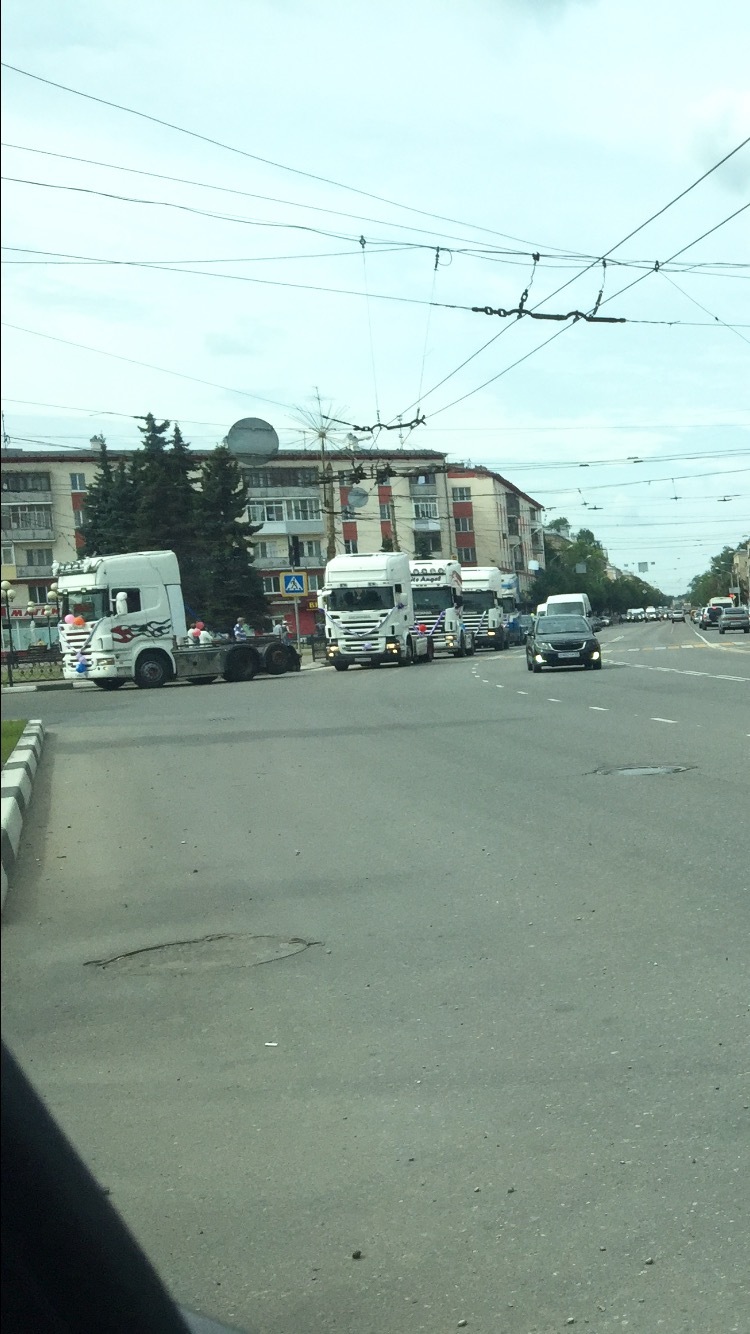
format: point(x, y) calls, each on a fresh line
point(562, 641)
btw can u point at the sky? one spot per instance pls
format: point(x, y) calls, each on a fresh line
point(360, 174)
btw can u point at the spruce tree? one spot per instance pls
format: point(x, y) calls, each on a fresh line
point(151, 476)
point(97, 509)
point(183, 504)
point(227, 585)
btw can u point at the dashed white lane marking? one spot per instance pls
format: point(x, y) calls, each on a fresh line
point(598, 708)
point(522, 692)
point(664, 720)
point(678, 671)
point(550, 700)
point(497, 687)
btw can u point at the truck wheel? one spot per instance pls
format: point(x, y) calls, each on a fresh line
point(341, 666)
point(241, 665)
point(471, 647)
point(276, 659)
point(152, 670)
point(406, 658)
point(460, 652)
point(109, 685)
point(430, 650)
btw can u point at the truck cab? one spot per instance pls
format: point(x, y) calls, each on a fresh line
point(483, 606)
point(369, 612)
point(438, 606)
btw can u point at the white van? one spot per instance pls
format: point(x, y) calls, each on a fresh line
point(568, 604)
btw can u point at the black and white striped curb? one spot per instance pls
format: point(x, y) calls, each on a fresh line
point(17, 786)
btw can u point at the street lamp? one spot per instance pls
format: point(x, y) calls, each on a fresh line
point(9, 595)
point(52, 599)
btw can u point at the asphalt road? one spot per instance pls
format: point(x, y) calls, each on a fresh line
point(510, 1067)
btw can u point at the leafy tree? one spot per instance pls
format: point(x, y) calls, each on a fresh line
point(225, 584)
point(560, 525)
point(716, 580)
point(605, 593)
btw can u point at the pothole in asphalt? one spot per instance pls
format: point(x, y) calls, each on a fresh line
point(645, 770)
point(216, 951)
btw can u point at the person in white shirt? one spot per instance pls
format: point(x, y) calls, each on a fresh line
point(205, 636)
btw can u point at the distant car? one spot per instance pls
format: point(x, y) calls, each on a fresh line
point(734, 618)
point(678, 614)
point(709, 618)
point(525, 625)
point(562, 641)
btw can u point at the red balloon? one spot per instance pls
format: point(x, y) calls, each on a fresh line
point(79, 620)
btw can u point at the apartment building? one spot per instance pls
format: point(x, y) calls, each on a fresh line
point(494, 523)
point(307, 507)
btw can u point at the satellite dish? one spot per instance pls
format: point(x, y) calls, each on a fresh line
point(358, 497)
point(252, 438)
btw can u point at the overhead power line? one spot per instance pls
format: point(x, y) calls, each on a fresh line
point(163, 370)
point(268, 162)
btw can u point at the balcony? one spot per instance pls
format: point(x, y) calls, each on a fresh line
point(28, 534)
point(27, 497)
point(33, 572)
point(292, 528)
point(282, 562)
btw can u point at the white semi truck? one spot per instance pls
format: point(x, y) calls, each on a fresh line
point(485, 599)
point(438, 599)
point(369, 612)
point(122, 618)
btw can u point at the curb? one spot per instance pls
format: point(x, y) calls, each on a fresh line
point(17, 786)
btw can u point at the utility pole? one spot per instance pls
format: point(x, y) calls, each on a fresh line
point(326, 472)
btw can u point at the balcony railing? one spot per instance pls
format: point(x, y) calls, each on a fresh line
point(28, 534)
point(291, 527)
point(33, 571)
point(27, 497)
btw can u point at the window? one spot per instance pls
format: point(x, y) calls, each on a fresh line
point(535, 516)
point(133, 596)
point(462, 493)
point(347, 512)
point(386, 511)
point(267, 550)
point(27, 516)
point(467, 555)
point(267, 477)
point(266, 511)
point(271, 584)
point(312, 550)
point(39, 556)
point(425, 509)
point(78, 518)
point(313, 583)
point(38, 594)
point(512, 503)
point(303, 510)
point(350, 547)
point(463, 524)
point(513, 529)
point(26, 481)
point(426, 479)
point(8, 556)
point(78, 481)
point(426, 545)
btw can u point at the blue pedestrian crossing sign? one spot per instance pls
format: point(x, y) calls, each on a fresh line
point(294, 585)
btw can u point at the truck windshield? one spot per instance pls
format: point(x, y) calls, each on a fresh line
point(90, 603)
point(432, 599)
point(377, 598)
point(479, 601)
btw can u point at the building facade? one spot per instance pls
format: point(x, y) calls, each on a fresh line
point(309, 507)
